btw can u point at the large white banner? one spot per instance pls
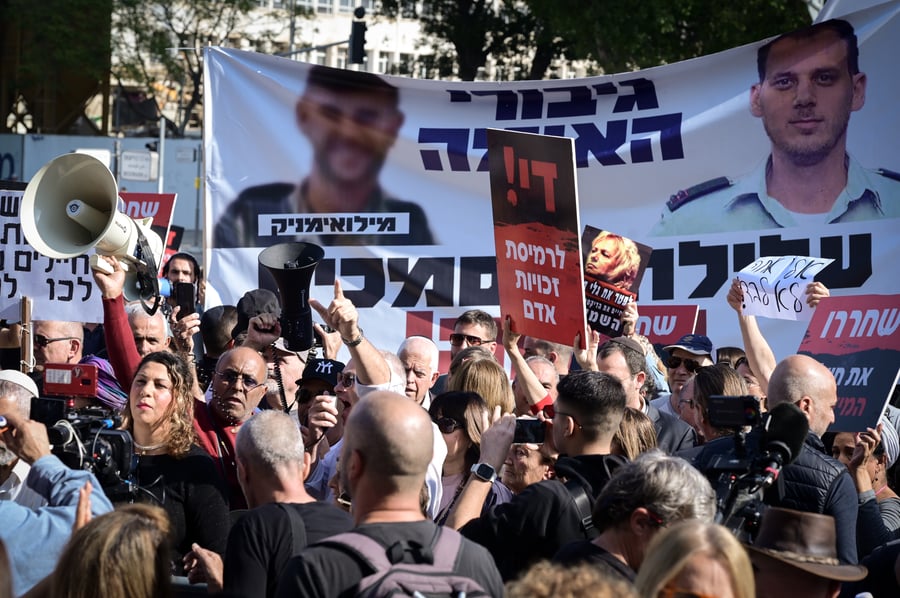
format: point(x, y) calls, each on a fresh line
point(399, 196)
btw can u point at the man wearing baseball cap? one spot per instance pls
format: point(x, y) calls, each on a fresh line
point(796, 549)
point(689, 354)
point(320, 376)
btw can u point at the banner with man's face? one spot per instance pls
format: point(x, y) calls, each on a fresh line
point(390, 175)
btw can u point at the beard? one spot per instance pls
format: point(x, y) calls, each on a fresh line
point(809, 150)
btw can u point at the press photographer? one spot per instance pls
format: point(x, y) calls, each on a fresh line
point(813, 482)
point(742, 473)
point(35, 537)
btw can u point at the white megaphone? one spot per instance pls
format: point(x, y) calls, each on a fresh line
point(70, 206)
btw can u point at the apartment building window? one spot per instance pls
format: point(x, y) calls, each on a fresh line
point(346, 6)
point(325, 6)
point(384, 62)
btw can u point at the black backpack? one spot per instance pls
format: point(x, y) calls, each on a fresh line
point(420, 579)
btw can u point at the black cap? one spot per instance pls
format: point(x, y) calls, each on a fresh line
point(253, 303)
point(326, 370)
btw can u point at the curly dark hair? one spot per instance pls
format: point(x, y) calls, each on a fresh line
point(180, 414)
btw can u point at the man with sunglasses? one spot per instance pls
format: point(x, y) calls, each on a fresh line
point(689, 354)
point(351, 120)
point(57, 341)
point(473, 328)
point(237, 387)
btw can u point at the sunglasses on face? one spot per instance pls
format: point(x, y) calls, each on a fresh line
point(346, 380)
point(231, 377)
point(42, 341)
point(457, 340)
point(691, 365)
point(447, 424)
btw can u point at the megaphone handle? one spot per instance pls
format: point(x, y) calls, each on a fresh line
point(100, 265)
point(103, 266)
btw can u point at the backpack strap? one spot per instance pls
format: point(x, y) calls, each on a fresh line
point(445, 546)
point(298, 528)
point(583, 506)
point(361, 547)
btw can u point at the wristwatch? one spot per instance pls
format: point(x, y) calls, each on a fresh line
point(484, 472)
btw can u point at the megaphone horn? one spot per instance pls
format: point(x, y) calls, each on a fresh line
point(79, 189)
point(292, 266)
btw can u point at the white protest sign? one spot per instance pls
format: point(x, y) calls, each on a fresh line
point(61, 289)
point(775, 287)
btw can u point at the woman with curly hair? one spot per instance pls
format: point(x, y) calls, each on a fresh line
point(169, 470)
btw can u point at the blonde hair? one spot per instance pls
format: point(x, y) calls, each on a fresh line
point(487, 378)
point(628, 259)
point(180, 413)
point(123, 554)
point(671, 549)
point(550, 580)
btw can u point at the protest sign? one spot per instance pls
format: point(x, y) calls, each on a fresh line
point(857, 339)
point(60, 289)
point(775, 287)
point(613, 268)
point(665, 324)
point(535, 207)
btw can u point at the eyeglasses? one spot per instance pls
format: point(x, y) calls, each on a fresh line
point(42, 341)
point(447, 425)
point(457, 340)
point(691, 365)
point(346, 380)
point(231, 377)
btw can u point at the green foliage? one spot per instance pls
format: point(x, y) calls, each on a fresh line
point(523, 37)
point(653, 32)
point(60, 34)
point(161, 43)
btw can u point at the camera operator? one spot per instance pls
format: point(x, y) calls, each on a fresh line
point(35, 538)
point(16, 392)
point(813, 482)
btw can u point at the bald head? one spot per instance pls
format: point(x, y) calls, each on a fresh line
point(803, 381)
point(393, 437)
point(795, 377)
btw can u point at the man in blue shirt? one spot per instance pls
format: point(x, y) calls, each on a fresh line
point(35, 538)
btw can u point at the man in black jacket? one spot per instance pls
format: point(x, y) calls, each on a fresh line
point(814, 482)
point(623, 358)
point(544, 516)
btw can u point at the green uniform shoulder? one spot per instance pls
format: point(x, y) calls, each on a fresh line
point(691, 193)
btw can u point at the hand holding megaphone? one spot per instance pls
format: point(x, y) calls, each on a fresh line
point(108, 275)
point(70, 207)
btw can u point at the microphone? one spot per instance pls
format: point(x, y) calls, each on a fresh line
point(785, 432)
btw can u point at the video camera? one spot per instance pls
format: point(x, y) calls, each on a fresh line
point(741, 473)
point(83, 436)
